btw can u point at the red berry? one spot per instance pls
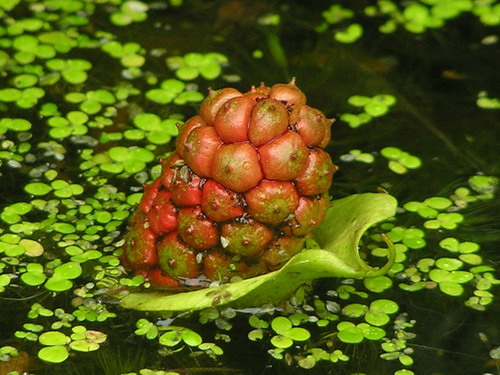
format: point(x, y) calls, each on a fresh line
point(185, 130)
point(163, 214)
point(308, 215)
point(284, 158)
point(140, 244)
point(176, 258)
point(271, 202)
point(231, 121)
point(186, 188)
point(246, 185)
point(311, 125)
point(291, 96)
point(199, 150)
point(282, 250)
point(169, 167)
point(150, 193)
point(237, 167)
point(269, 120)
point(220, 267)
point(245, 239)
point(196, 230)
point(220, 203)
point(215, 100)
point(159, 279)
point(316, 178)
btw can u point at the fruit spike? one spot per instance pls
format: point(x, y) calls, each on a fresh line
point(246, 185)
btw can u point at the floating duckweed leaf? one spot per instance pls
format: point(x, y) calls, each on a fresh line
point(92, 101)
point(59, 39)
point(281, 324)
point(400, 161)
point(37, 188)
point(4, 281)
point(385, 305)
point(173, 90)
point(58, 284)
point(355, 310)
point(86, 340)
point(22, 81)
point(404, 372)
point(67, 190)
point(356, 120)
point(25, 98)
point(472, 259)
point(336, 13)
point(10, 94)
point(14, 124)
point(372, 333)
point(14, 251)
point(146, 328)
point(49, 110)
point(34, 274)
point(349, 333)
point(12, 214)
point(130, 11)
point(32, 248)
point(375, 106)
point(54, 354)
point(421, 209)
point(451, 288)
point(72, 70)
point(358, 100)
point(352, 33)
point(449, 264)
point(70, 270)
point(8, 239)
point(410, 237)
point(280, 341)
point(52, 338)
point(483, 101)
point(378, 284)
point(188, 97)
point(358, 155)
point(72, 124)
point(285, 330)
point(190, 337)
point(377, 318)
point(193, 64)
point(439, 203)
point(445, 221)
point(158, 131)
point(484, 184)
point(170, 338)
point(131, 159)
point(65, 228)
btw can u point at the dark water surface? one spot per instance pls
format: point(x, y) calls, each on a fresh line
point(435, 76)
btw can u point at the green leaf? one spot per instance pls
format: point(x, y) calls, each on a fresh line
point(281, 324)
point(339, 236)
point(281, 341)
point(53, 338)
point(54, 354)
point(190, 337)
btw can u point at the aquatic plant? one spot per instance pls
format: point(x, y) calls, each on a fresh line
point(88, 107)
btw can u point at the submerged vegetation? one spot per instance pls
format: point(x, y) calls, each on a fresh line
point(90, 95)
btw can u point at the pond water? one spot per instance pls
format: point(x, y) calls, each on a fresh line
point(414, 89)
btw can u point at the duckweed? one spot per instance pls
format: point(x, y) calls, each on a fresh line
point(400, 161)
point(373, 107)
point(194, 64)
point(63, 237)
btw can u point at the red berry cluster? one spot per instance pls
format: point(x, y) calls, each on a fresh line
point(247, 183)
